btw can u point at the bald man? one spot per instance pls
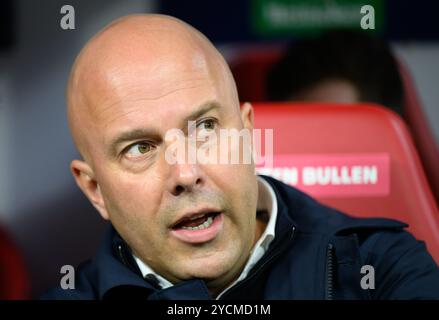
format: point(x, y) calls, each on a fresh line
point(191, 230)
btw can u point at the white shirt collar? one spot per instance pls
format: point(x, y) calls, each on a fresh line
point(261, 246)
point(147, 271)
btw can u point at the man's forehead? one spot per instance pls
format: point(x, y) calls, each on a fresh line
point(165, 114)
point(133, 95)
point(148, 80)
point(144, 76)
point(158, 98)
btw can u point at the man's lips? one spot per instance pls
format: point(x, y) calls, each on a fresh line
point(207, 231)
point(193, 216)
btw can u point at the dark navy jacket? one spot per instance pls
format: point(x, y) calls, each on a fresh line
point(318, 253)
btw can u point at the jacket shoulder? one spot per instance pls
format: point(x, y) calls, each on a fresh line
point(404, 268)
point(314, 217)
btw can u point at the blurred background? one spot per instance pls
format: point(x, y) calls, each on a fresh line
point(45, 217)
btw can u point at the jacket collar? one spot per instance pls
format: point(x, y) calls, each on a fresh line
point(117, 271)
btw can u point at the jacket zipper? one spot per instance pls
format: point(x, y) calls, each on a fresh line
point(261, 267)
point(329, 294)
point(122, 255)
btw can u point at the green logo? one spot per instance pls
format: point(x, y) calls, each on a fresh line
point(308, 17)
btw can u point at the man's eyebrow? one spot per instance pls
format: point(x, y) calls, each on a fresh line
point(131, 135)
point(202, 109)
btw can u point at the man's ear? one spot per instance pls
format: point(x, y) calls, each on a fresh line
point(84, 177)
point(247, 115)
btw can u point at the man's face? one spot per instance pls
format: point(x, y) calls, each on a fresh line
point(149, 200)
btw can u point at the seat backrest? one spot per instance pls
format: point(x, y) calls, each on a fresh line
point(14, 281)
point(250, 69)
point(421, 130)
point(359, 159)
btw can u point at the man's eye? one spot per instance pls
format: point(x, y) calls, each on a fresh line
point(208, 124)
point(139, 149)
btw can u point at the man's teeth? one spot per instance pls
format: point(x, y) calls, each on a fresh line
point(196, 217)
point(202, 226)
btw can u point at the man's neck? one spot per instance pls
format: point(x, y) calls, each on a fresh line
point(262, 217)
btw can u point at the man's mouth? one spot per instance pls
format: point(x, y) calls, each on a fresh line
point(198, 222)
point(198, 228)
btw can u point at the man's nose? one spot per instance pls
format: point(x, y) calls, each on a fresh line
point(184, 178)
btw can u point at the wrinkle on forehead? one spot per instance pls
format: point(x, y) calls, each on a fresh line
point(159, 54)
point(107, 111)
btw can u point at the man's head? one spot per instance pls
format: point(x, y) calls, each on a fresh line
point(337, 66)
point(136, 79)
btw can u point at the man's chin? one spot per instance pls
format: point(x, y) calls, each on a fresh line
point(207, 275)
point(207, 271)
point(212, 265)
point(216, 276)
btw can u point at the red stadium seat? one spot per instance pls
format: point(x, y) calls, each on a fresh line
point(421, 131)
point(250, 69)
point(360, 160)
point(13, 273)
